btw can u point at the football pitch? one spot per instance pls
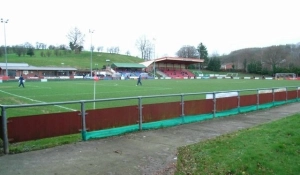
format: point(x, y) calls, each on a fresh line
point(76, 90)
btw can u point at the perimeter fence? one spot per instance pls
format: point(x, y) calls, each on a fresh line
point(105, 122)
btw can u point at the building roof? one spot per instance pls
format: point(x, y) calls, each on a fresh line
point(147, 63)
point(25, 66)
point(128, 65)
point(179, 60)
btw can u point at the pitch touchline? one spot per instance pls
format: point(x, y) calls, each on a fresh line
point(36, 100)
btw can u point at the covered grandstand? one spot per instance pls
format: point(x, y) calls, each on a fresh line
point(129, 70)
point(173, 67)
point(170, 67)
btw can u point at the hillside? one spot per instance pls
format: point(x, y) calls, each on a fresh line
point(70, 59)
point(281, 56)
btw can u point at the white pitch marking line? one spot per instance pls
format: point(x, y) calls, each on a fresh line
point(36, 100)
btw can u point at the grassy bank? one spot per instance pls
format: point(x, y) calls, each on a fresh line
point(272, 148)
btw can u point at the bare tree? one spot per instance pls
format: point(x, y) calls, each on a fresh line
point(43, 46)
point(116, 50)
point(27, 45)
point(110, 50)
point(51, 47)
point(100, 48)
point(148, 53)
point(62, 47)
point(275, 55)
point(187, 52)
point(76, 39)
point(127, 53)
point(113, 50)
point(40, 45)
point(37, 45)
point(145, 47)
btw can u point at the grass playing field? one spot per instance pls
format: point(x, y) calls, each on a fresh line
point(75, 90)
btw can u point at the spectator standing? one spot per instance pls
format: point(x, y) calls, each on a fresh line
point(21, 79)
point(139, 82)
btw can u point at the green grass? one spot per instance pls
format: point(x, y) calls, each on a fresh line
point(80, 61)
point(43, 143)
point(58, 91)
point(272, 148)
point(75, 90)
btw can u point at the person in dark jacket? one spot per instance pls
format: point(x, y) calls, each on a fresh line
point(21, 79)
point(139, 80)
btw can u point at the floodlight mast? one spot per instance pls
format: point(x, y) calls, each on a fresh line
point(154, 71)
point(5, 21)
point(91, 32)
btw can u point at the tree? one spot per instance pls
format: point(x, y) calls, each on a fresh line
point(27, 45)
point(51, 47)
point(144, 45)
point(56, 52)
point(48, 53)
point(203, 54)
point(62, 47)
point(42, 54)
point(1, 52)
point(274, 55)
point(19, 50)
point(40, 45)
point(245, 65)
point(76, 40)
point(100, 48)
point(254, 67)
point(116, 50)
point(214, 64)
point(187, 52)
point(30, 51)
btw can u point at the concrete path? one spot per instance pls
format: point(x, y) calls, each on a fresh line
point(147, 152)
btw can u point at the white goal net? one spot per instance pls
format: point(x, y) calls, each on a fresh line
point(285, 76)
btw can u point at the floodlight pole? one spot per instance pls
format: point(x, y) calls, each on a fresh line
point(5, 52)
point(200, 60)
point(154, 55)
point(91, 32)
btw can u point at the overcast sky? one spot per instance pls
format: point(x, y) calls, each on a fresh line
point(222, 26)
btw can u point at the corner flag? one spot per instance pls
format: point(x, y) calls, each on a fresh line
point(96, 78)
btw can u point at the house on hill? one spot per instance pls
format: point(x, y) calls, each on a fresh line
point(227, 66)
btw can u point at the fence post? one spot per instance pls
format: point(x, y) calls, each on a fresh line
point(140, 113)
point(4, 130)
point(215, 104)
point(182, 107)
point(83, 131)
point(286, 95)
point(257, 100)
point(239, 102)
point(298, 88)
point(273, 92)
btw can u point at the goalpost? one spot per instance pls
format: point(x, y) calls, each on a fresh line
point(285, 76)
